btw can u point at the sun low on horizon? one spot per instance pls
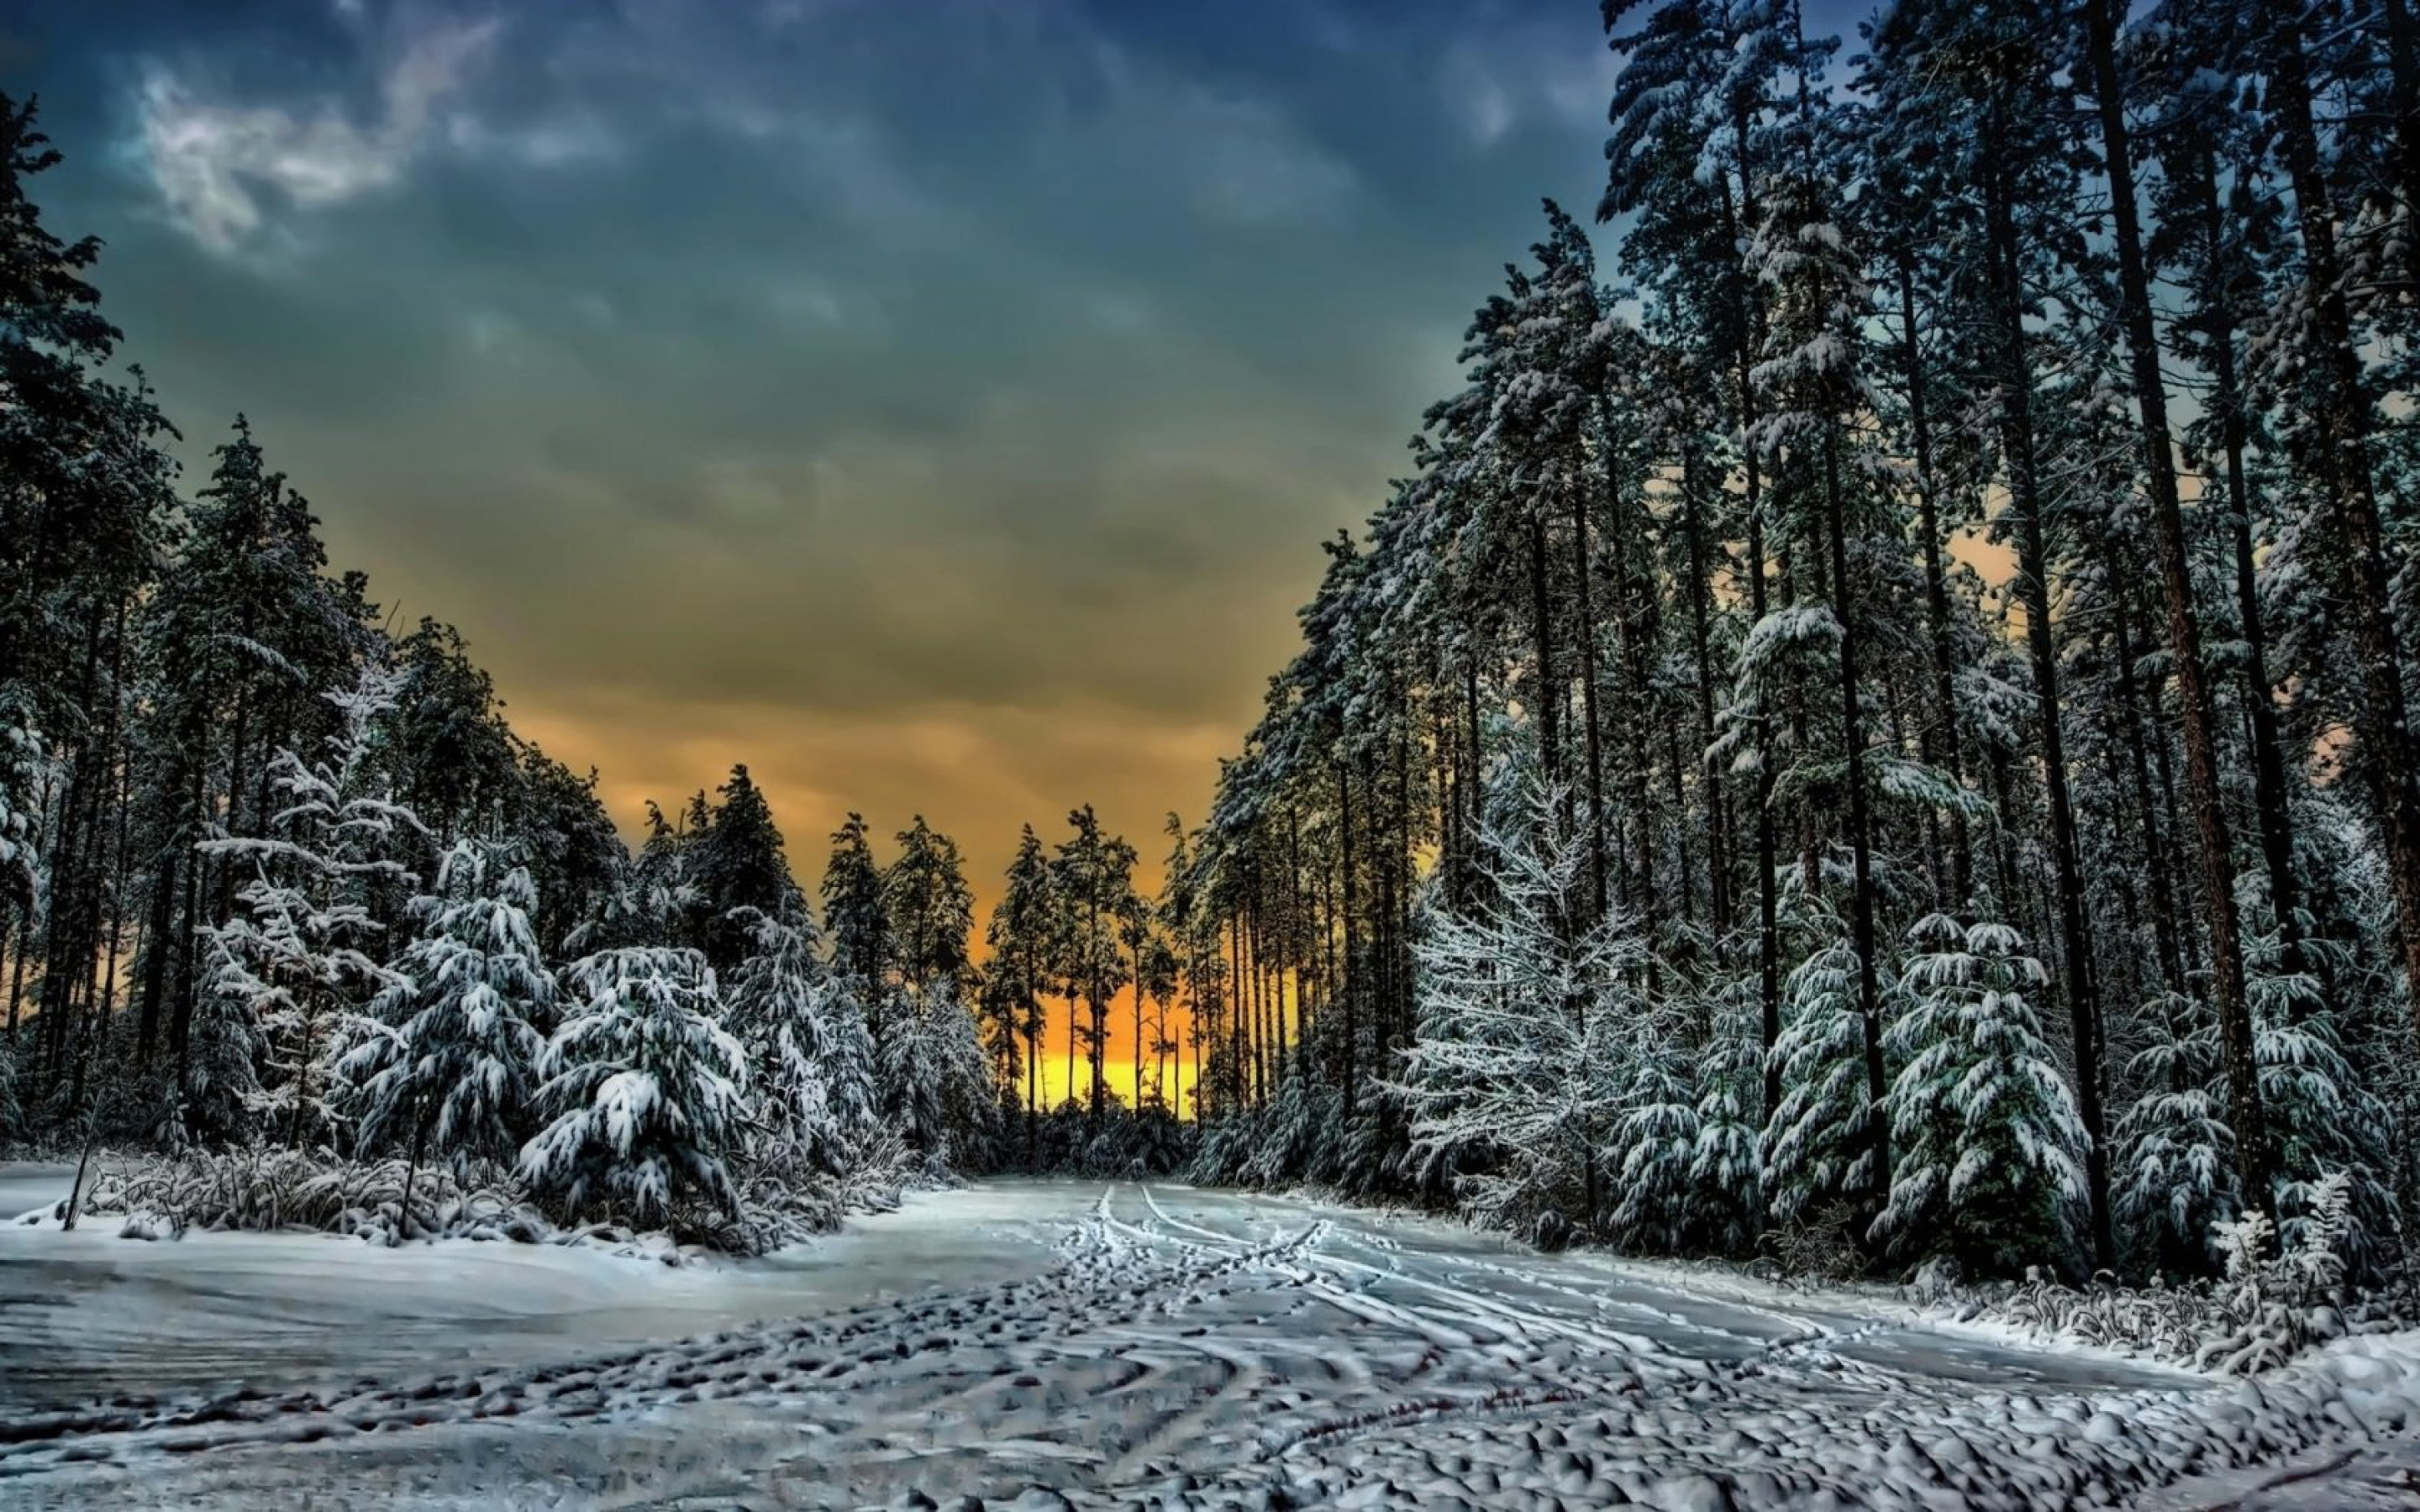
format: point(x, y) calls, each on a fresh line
point(934, 407)
point(1149, 753)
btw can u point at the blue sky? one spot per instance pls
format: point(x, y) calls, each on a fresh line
point(932, 403)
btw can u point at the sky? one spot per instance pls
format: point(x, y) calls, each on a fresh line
point(935, 405)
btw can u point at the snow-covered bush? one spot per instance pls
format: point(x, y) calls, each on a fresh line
point(1989, 1166)
point(644, 1089)
point(2273, 1302)
point(262, 1189)
point(778, 1208)
point(1815, 1243)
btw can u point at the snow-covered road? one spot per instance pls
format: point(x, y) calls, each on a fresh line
point(1111, 1345)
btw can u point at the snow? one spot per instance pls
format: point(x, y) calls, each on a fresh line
point(1112, 1345)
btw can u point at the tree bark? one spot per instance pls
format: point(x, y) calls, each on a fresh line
point(2384, 727)
point(2197, 708)
point(2033, 584)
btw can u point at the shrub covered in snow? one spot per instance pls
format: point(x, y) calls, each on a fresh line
point(2276, 1300)
point(269, 1189)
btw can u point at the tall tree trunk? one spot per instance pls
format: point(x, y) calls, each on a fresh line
point(1700, 587)
point(1550, 745)
point(2033, 584)
point(1583, 569)
point(2271, 794)
point(2383, 726)
point(1941, 741)
point(2198, 710)
point(2137, 742)
point(1861, 897)
point(1631, 606)
point(2403, 69)
point(1351, 946)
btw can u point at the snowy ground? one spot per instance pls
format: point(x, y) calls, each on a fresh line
point(1115, 1344)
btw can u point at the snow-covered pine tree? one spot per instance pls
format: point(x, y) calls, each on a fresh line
point(11, 1114)
point(738, 867)
point(855, 918)
point(2324, 1121)
point(2175, 1165)
point(1725, 1166)
point(664, 904)
point(20, 851)
point(1655, 1143)
point(21, 818)
point(644, 1088)
point(1516, 1079)
point(450, 1067)
point(811, 1063)
point(936, 1079)
point(297, 965)
point(1814, 1145)
point(1992, 1148)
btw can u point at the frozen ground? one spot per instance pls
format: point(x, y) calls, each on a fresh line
point(1056, 1342)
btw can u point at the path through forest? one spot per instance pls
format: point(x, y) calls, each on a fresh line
point(1024, 1341)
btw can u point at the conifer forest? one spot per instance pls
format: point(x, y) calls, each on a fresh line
point(1824, 912)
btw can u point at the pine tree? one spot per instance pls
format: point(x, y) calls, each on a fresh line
point(929, 910)
point(1514, 1084)
point(2176, 1153)
point(1993, 1169)
point(644, 1090)
point(451, 1067)
point(856, 915)
point(83, 487)
point(243, 628)
point(738, 868)
point(1016, 978)
point(306, 954)
point(1816, 1144)
point(811, 1063)
point(1725, 1166)
point(1093, 873)
point(937, 1081)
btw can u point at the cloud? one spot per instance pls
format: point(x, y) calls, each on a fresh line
point(210, 161)
point(1255, 166)
point(1504, 78)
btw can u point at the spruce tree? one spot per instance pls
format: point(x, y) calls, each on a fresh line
point(449, 1065)
point(644, 1090)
